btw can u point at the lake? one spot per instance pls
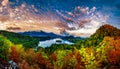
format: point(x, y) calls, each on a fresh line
point(48, 43)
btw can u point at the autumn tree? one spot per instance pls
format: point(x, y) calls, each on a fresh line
point(14, 54)
point(24, 65)
point(41, 61)
point(113, 51)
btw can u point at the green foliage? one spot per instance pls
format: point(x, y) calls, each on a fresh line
point(5, 45)
point(55, 47)
point(60, 55)
point(27, 41)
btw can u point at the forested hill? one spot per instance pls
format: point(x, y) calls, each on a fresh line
point(98, 36)
point(26, 41)
point(106, 30)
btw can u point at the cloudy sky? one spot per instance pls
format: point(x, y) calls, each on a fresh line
point(77, 17)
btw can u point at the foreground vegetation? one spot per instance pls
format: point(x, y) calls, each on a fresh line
point(101, 50)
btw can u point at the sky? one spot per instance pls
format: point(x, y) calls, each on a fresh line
point(76, 17)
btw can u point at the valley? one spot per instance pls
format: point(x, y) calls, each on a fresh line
point(92, 52)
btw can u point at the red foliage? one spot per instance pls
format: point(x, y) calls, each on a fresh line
point(114, 57)
point(113, 52)
point(74, 55)
point(40, 59)
point(53, 57)
point(78, 57)
point(78, 66)
point(24, 65)
point(14, 54)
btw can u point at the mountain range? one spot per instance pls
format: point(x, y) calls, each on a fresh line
point(39, 34)
point(31, 38)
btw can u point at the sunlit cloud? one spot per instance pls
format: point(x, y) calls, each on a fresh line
point(83, 20)
point(5, 2)
point(80, 21)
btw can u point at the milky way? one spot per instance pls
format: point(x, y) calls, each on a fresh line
point(76, 17)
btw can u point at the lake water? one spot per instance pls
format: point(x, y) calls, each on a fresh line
point(48, 43)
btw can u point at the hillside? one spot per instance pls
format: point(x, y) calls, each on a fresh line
point(107, 30)
point(27, 41)
point(97, 37)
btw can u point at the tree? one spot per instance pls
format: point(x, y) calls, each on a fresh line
point(5, 45)
point(113, 51)
point(24, 65)
point(41, 61)
point(15, 55)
